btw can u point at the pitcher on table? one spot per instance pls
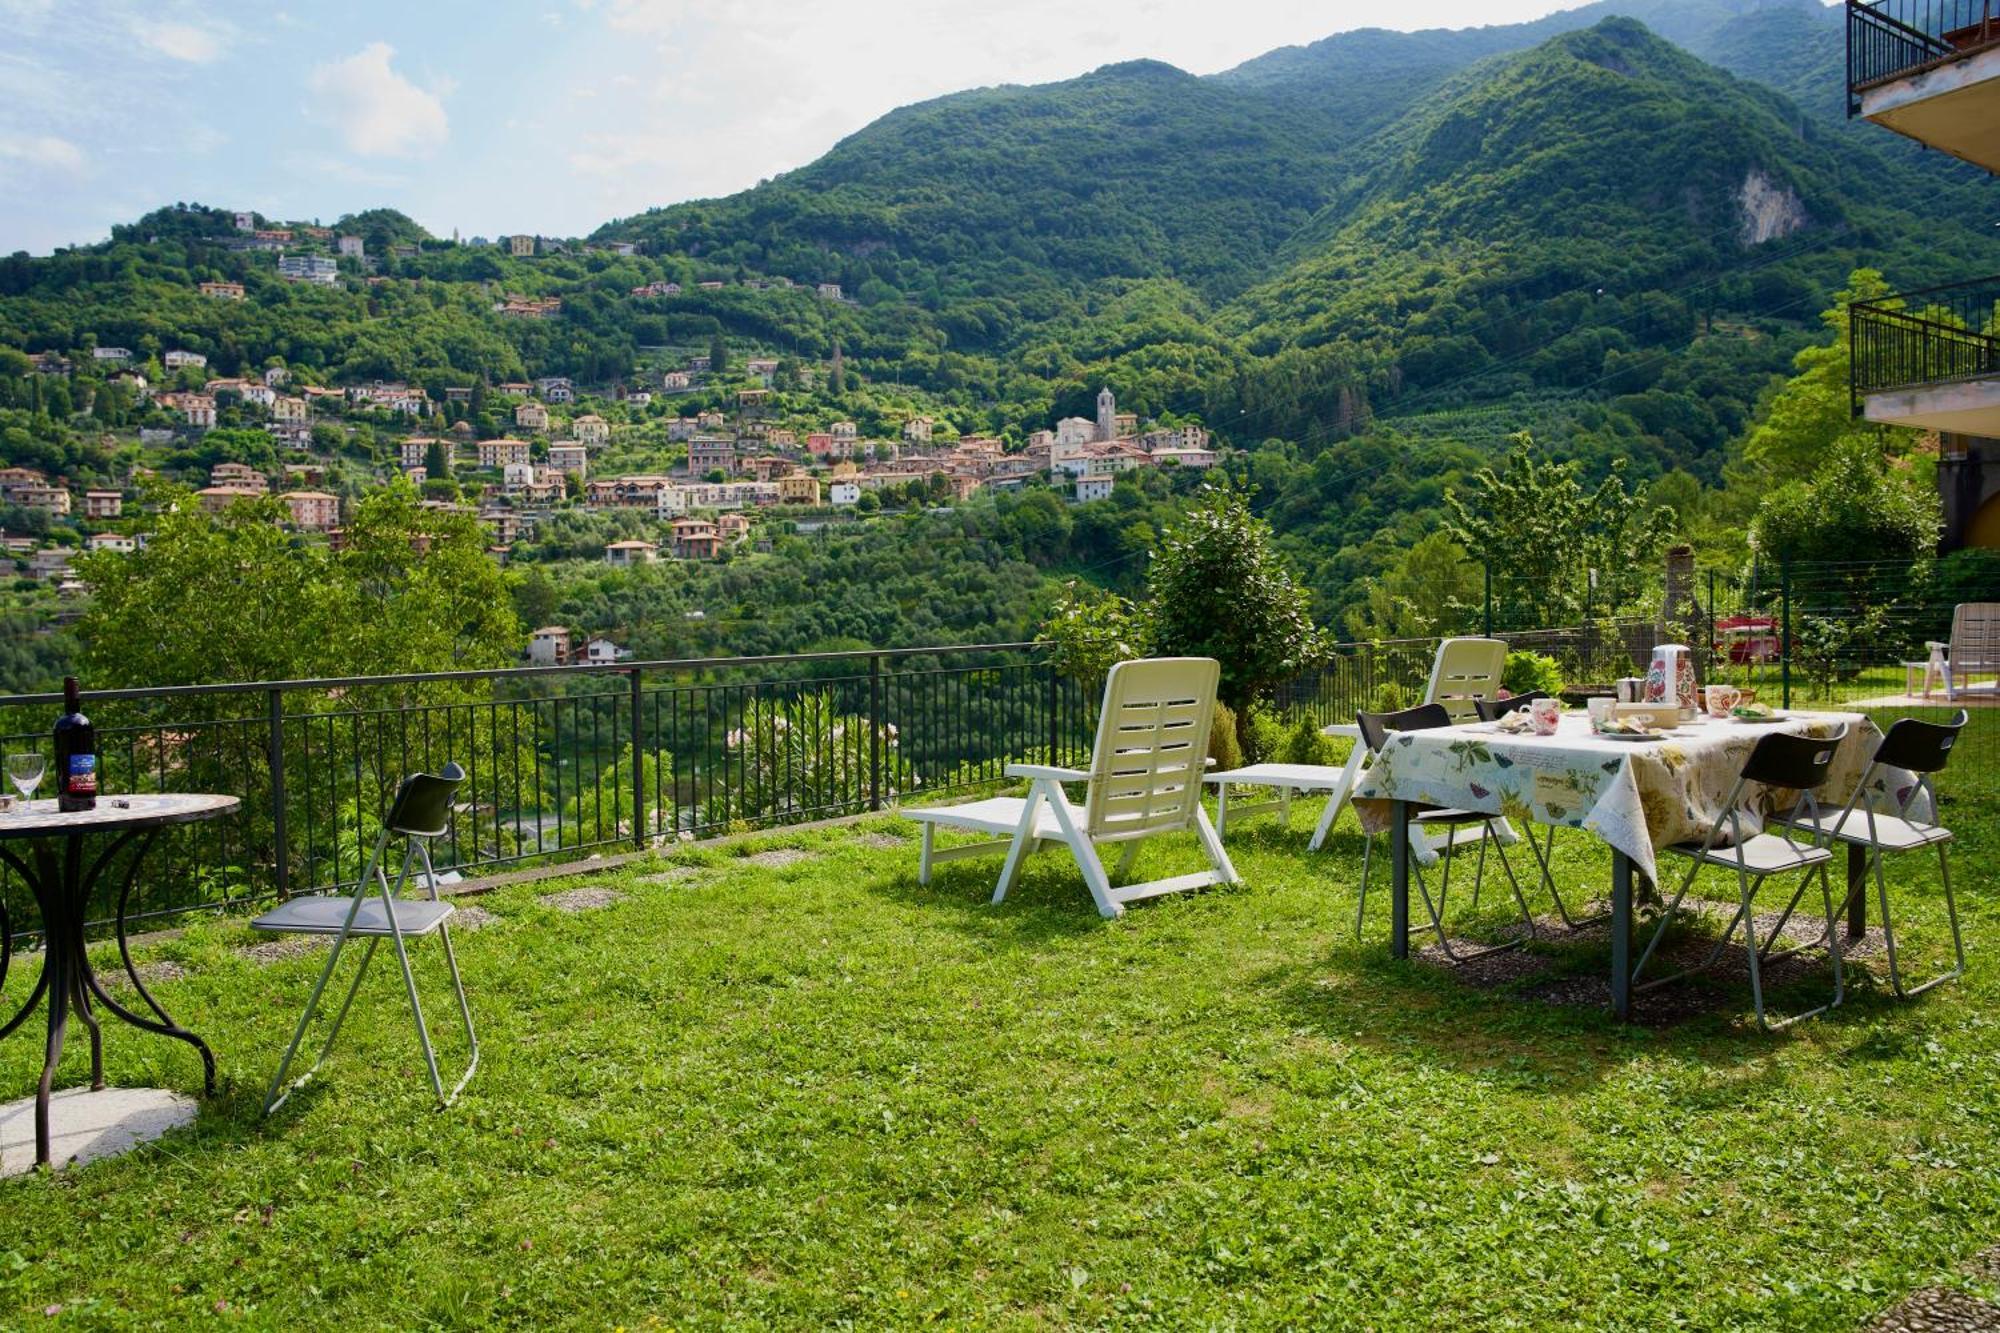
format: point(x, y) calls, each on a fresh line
point(1670, 680)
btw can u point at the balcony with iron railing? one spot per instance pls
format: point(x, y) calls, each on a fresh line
point(1929, 359)
point(1930, 70)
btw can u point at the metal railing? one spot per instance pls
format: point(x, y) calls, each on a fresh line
point(1893, 39)
point(561, 762)
point(564, 763)
point(1933, 336)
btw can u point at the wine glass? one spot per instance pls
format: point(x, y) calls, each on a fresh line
point(25, 772)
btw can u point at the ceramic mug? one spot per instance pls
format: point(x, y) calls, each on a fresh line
point(1720, 699)
point(1600, 709)
point(1546, 715)
point(1631, 689)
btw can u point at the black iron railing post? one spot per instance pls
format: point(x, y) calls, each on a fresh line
point(1055, 724)
point(1785, 645)
point(638, 675)
point(875, 732)
point(1711, 625)
point(280, 841)
point(1487, 571)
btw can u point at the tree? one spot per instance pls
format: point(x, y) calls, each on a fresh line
point(718, 354)
point(437, 461)
point(234, 597)
point(1541, 533)
point(1217, 588)
point(1856, 508)
point(1814, 411)
point(1424, 594)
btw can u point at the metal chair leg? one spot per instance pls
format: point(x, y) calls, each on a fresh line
point(1889, 930)
point(281, 1091)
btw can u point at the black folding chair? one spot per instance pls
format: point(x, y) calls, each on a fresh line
point(420, 813)
point(1922, 748)
point(1375, 729)
point(1780, 762)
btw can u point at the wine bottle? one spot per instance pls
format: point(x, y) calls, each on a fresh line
point(76, 754)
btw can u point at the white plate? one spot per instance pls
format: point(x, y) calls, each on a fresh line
point(1761, 721)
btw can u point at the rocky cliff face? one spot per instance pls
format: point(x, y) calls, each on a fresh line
point(1770, 211)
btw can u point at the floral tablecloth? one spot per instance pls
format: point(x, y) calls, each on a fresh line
point(1639, 796)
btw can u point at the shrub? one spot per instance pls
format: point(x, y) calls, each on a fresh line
point(1390, 697)
point(1303, 744)
point(1260, 733)
point(1526, 672)
point(1223, 746)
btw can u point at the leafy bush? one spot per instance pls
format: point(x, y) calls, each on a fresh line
point(1223, 746)
point(1303, 744)
point(1261, 734)
point(1390, 697)
point(1090, 631)
point(1529, 671)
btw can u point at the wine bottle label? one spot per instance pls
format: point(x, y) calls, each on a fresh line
point(82, 777)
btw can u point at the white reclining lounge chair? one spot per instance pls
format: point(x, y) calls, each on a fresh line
point(1145, 781)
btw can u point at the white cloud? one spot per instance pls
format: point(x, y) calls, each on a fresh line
point(42, 150)
point(377, 112)
point(179, 41)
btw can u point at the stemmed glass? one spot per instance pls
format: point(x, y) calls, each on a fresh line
point(25, 772)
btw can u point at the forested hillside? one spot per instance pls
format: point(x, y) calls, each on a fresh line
point(1365, 264)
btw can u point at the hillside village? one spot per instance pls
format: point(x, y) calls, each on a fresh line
point(700, 450)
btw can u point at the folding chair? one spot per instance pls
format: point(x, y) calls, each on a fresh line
point(1375, 729)
point(1922, 748)
point(1780, 762)
point(1492, 710)
point(419, 813)
point(1145, 781)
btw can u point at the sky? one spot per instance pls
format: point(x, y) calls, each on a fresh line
point(549, 117)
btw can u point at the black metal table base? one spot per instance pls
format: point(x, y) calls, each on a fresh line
point(63, 886)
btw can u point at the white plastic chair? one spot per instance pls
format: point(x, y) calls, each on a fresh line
point(1465, 672)
point(1144, 782)
point(1974, 649)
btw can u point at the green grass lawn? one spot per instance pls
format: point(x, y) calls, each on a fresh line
point(813, 1093)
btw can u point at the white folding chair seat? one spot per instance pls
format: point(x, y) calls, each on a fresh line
point(318, 915)
point(1891, 833)
point(1760, 854)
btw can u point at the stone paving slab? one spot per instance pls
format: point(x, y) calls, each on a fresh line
point(778, 857)
point(1938, 1310)
point(85, 1126)
point(581, 900)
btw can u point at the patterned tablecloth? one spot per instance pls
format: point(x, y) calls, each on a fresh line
point(1639, 796)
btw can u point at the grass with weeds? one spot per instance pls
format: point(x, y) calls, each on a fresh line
point(801, 1091)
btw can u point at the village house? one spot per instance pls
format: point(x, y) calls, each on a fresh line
point(767, 468)
point(696, 539)
point(639, 398)
point(351, 247)
point(626, 492)
point(516, 476)
point(800, 490)
point(917, 430)
point(240, 475)
point(520, 247)
point(223, 291)
point(505, 526)
point(845, 492)
point(49, 499)
point(555, 389)
point(111, 353)
point(531, 416)
point(52, 363)
point(216, 499)
point(711, 420)
point(710, 453)
point(277, 376)
point(829, 291)
point(103, 504)
point(601, 651)
point(258, 392)
point(570, 458)
point(132, 380)
point(549, 646)
point(412, 451)
point(751, 397)
point(499, 453)
point(14, 479)
point(51, 562)
point(179, 359)
point(591, 428)
point(1094, 488)
point(676, 381)
point(116, 542)
point(309, 268)
point(313, 511)
point(732, 528)
point(631, 551)
point(290, 410)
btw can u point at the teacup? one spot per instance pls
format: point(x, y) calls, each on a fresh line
point(1720, 699)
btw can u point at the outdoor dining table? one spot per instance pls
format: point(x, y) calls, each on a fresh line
point(63, 878)
point(1635, 796)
